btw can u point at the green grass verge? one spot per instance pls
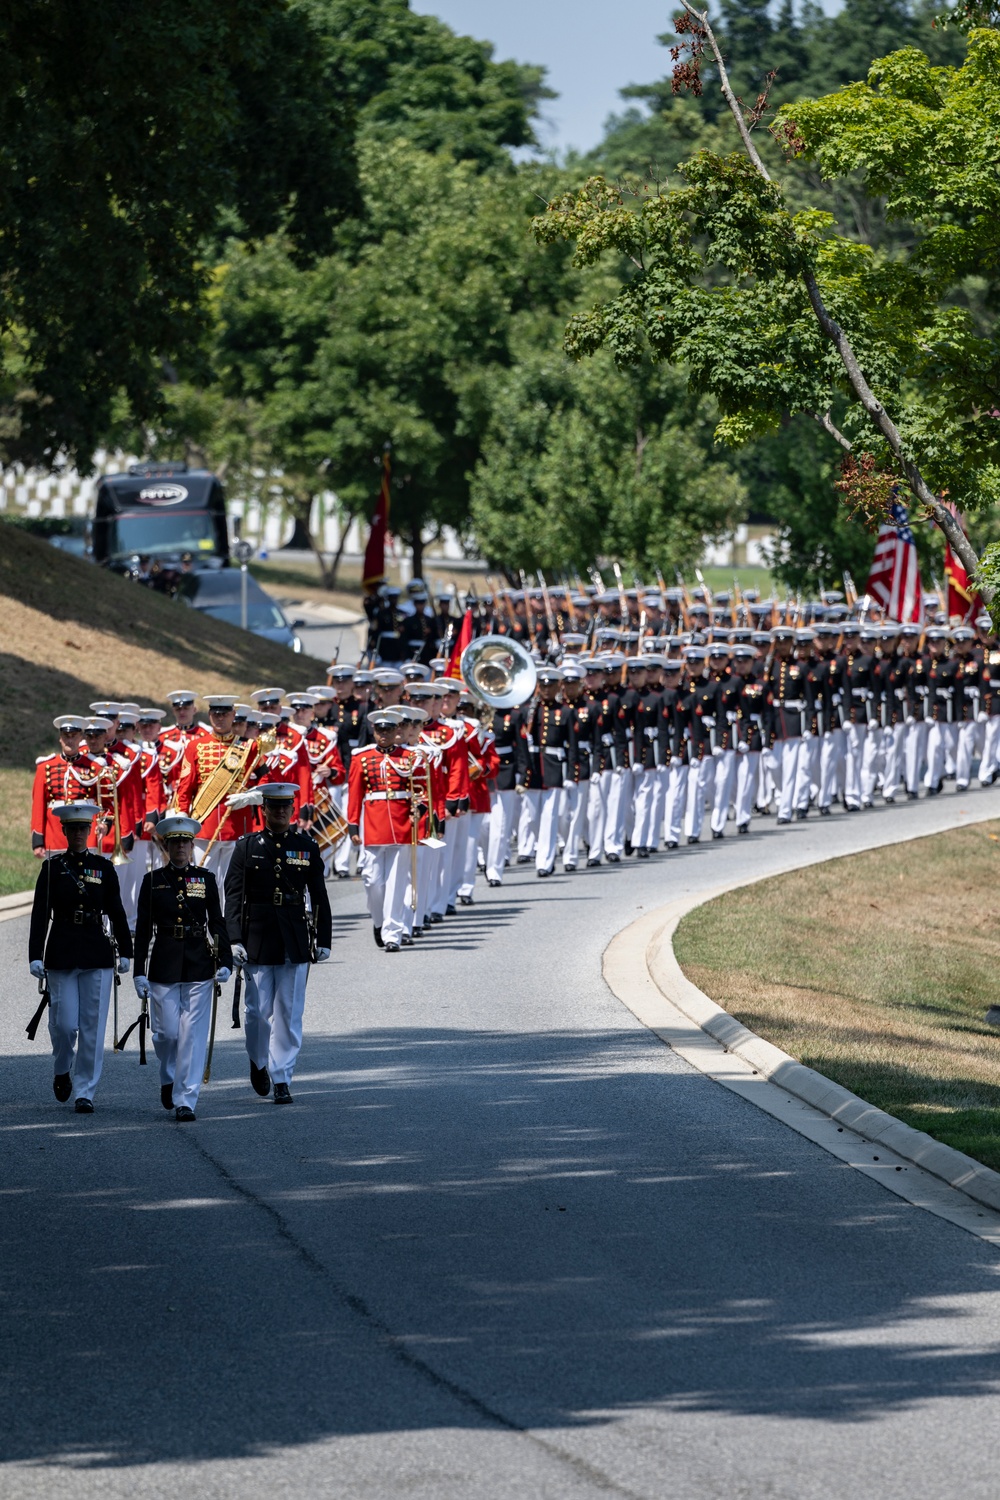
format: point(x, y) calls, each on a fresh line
point(875, 970)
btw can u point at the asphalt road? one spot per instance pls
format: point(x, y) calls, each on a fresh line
point(505, 1243)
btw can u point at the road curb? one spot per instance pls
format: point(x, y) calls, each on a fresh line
point(16, 905)
point(657, 963)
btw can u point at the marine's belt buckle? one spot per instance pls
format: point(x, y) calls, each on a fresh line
point(179, 930)
point(78, 917)
point(279, 898)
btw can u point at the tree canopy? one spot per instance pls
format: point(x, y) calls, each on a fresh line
point(127, 132)
point(773, 312)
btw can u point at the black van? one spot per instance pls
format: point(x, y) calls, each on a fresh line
point(160, 512)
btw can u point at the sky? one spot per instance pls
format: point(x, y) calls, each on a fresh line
point(591, 49)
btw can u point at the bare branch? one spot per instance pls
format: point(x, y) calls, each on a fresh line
point(835, 432)
point(734, 104)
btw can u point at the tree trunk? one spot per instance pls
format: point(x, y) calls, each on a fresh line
point(330, 576)
point(417, 545)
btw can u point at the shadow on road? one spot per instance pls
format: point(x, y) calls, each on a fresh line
point(449, 1228)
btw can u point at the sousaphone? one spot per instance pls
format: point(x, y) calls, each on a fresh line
point(498, 671)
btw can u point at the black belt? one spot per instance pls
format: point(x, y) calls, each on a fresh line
point(178, 929)
point(280, 898)
point(81, 917)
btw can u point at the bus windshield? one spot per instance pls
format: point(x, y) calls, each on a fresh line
point(157, 535)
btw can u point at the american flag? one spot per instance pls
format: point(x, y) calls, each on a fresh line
point(894, 580)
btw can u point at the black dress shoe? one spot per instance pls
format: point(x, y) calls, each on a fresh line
point(282, 1093)
point(436, 917)
point(167, 1095)
point(406, 940)
point(671, 843)
point(544, 874)
point(889, 800)
point(377, 932)
point(449, 910)
point(466, 901)
point(389, 948)
point(524, 859)
point(718, 833)
point(642, 853)
point(592, 864)
point(784, 820)
point(824, 812)
point(693, 838)
point(802, 813)
point(260, 1078)
point(183, 1113)
point(493, 882)
point(913, 796)
point(343, 874)
point(62, 1087)
point(84, 1107)
point(743, 828)
point(614, 859)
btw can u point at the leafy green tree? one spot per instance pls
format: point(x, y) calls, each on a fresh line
point(126, 131)
point(580, 462)
point(773, 313)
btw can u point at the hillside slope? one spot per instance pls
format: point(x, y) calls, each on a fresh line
point(71, 633)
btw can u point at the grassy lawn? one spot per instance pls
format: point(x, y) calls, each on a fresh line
point(875, 970)
point(73, 633)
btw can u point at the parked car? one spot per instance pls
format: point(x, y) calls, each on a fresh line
point(219, 594)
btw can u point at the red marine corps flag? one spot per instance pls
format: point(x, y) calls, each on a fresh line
point(374, 569)
point(961, 599)
point(464, 639)
point(894, 580)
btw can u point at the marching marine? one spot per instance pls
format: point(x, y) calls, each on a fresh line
point(182, 952)
point(70, 951)
point(275, 937)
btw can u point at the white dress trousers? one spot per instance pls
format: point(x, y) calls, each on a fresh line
point(218, 860)
point(79, 1000)
point(502, 815)
point(467, 875)
point(747, 772)
point(275, 997)
point(385, 874)
point(547, 841)
point(678, 773)
point(181, 1016)
point(725, 789)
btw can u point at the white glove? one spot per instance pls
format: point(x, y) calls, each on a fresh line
point(981, 718)
point(717, 751)
point(807, 734)
point(124, 964)
point(141, 986)
point(239, 955)
point(222, 975)
point(742, 747)
point(244, 799)
point(520, 789)
point(36, 969)
point(322, 954)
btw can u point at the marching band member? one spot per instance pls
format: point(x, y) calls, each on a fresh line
point(270, 874)
point(484, 764)
point(181, 950)
point(379, 814)
point(67, 775)
point(215, 767)
point(76, 890)
point(174, 740)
